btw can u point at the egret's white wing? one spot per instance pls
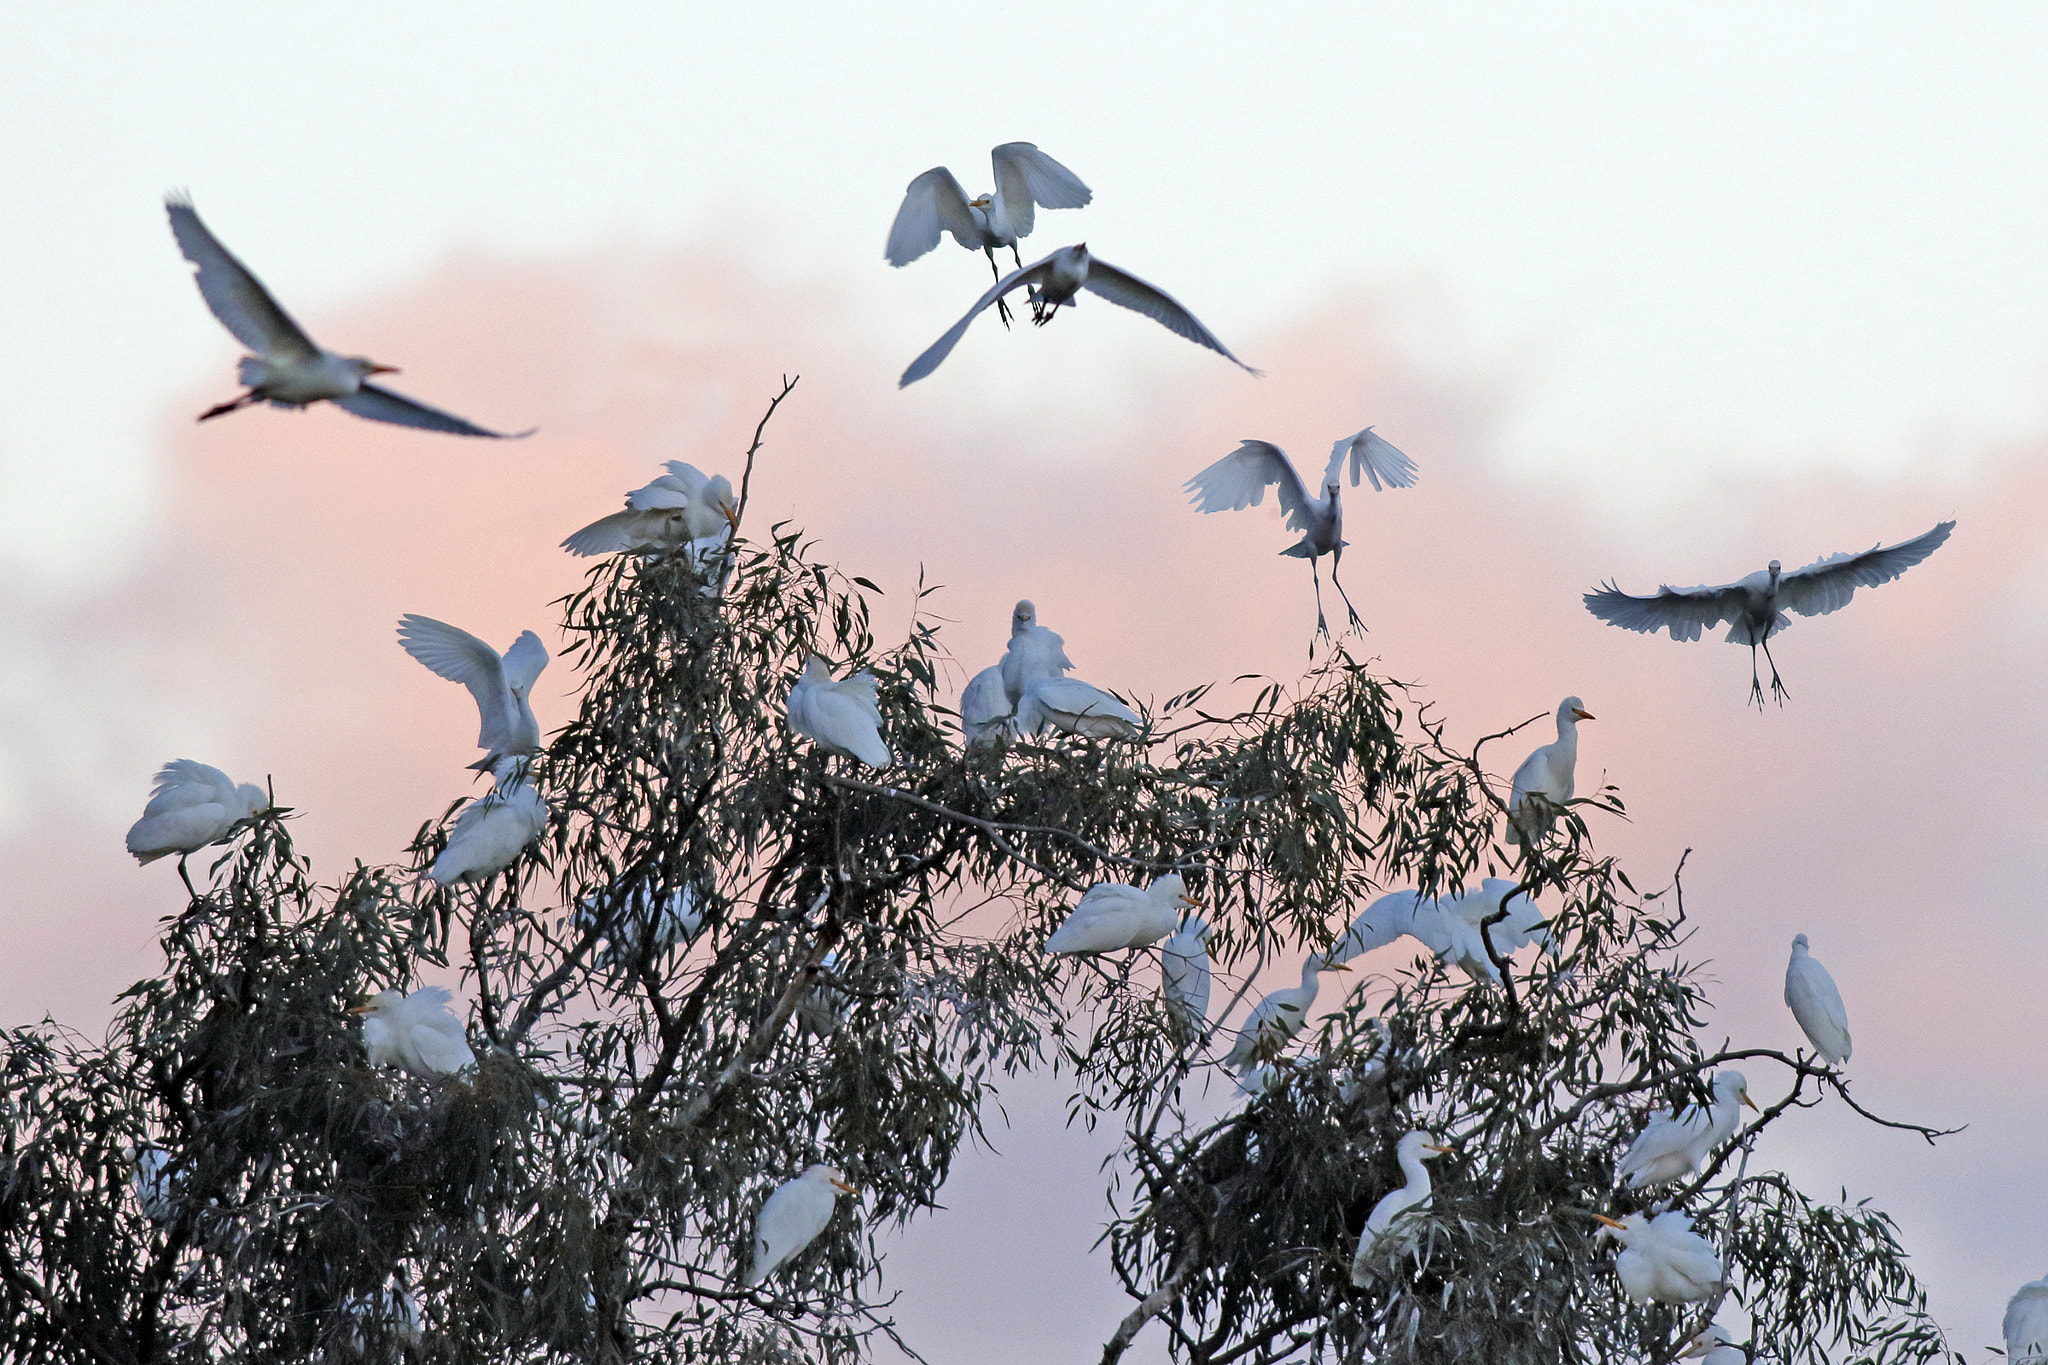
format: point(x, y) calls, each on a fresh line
point(1128, 291)
point(847, 721)
point(688, 477)
point(665, 494)
point(1024, 175)
point(606, 535)
point(382, 405)
point(436, 1051)
point(1239, 480)
point(932, 203)
point(1826, 584)
point(1374, 456)
point(524, 661)
point(235, 295)
point(185, 782)
point(460, 657)
point(1684, 611)
point(1034, 273)
point(2026, 1324)
point(1379, 924)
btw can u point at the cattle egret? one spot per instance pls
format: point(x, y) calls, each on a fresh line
point(1078, 708)
point(1239, 480)
point(1713, 1346)
point(841, 717)
point(191, 806)
point(288, 369)
point(1111, 915)
point(1663, 1259)
point(394, 1307)
point(1671, 1148)
point(1278, 1017)
point(1448, 927)
point(638, 929)
point(502, 686)
point(825, 1007)
point(417, 1032)
point(1546, 773)
point(492, 830)
point(792, 1217)
point(154, 1187)
point(1380, 1240)
point(1184, 975)
point(1755, 607)
point(1026, 179)
point(1034, 654)
point(1379, 924)
point(679, 508)
point(2026, 1325)
point(987, 715)
point(1816, 1004)
point(1055, 281)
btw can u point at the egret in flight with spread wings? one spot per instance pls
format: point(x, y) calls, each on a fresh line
point(679, 507)
point(1755, 606)
point(1672, 1147)
point(1239, 480)
point(1055, 281)
point(2026, 1325)
point(1547, 773)
point(1663, 1258)
point(1026, 179)
point(792, 1217)
point(289, 369)
point(417, 1032)
point(1816, 1003)
point(841, 716)
point(501, 685)
point(1380, 1241)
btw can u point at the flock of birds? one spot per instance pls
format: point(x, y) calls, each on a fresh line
point(1025, 693)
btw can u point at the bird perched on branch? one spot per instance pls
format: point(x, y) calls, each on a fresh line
point(1113, 915)
point(1815, 1002)
point(1184, 975)
point(416, 1032)
point(678, 508)
point(1077, 708)
point(1382, 1240)
point(1035, 653)
point(493, 830)
point(792, 1217)
point(1277, 1018)
point(841, 717)
point(192, 805)
point(1663, 1258)
point(1547, 773)
point(1672, 1147)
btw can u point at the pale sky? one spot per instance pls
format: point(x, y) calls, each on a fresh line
point(1646, 291)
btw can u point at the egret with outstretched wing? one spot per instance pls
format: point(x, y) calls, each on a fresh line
point(500, 684)
point(1026, 179)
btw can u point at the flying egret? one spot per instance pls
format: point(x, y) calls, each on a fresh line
point(1671, 1148)
point(1379, 1240)
point(792, 1217)
point(1755, 607)
point(417, 1032)
point(492, 830)
point(502, 686)
point(1078, 708)
point(1546, 773)
point(1055, 281)
point(1034, 654)
point(191, 806)
point(1816, 1004)
point(1663, 1258)
point(288, 369)
point(1026, 179)
point(1111, 915)
point(2026, 1325)
point(154, 1187)
point(987, 715)
point(1184, 975)
point(1239, 480)
point(1713, 1346)
point(1279, 1016)
point(637, 928)
point(680, 507)
point(840, 716)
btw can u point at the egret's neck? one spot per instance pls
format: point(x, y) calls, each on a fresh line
point(1568, 734)
point(1416, 1173)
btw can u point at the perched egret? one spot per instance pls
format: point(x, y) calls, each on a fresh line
point(501, 686)
point(149, 1177)
point(1078, 708)
point(1816, 1004)
point(1546, 773)
point(288, 369)
point(987, 715)
point(1448, 927)
point(417, 1032)
point(190, 807)
point(1184, 975)
point(1755, 607)
point(1663, 1258)
point(1380, 1240)
point(1035, 654)
point(678, 508)
point(841, 717)
point(792, 1217)
point(1239, 480)
point(636, 928)
point(1279, 1016)
point(1670, 1148)
point(1379, 924)
point(392, 1305)
point(1713, 1346)
point(825, 1007)
point(492, 830)
point(1055, 281)
point(1026, 179)
point(2026, 1325)
point(1111, 915)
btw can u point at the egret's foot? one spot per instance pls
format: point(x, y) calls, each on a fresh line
point(1777, 689)
point(1756, 691)
point(1003, 312)
point(232, 405)
point(1356, 624)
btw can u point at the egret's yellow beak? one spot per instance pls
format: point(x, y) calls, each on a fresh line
point(1429, 1148)
point(1750, 1102)
point(359, 1009)
point(1611, 1222)
point(1583, 715)
point(844, 1188)
point(385, 369)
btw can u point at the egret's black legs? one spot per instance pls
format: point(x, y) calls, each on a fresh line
point(220, 409)
point(1002, 307)
point(1777, 684)
point(1335, 556)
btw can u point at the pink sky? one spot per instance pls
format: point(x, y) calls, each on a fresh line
point(1892, 810)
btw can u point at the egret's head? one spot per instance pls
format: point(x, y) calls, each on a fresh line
point(1421, 1145)
point(832, 1176)
point(1621, 1229)
point(1713, 1335)
point(1573, 709)
point(981, 203)
point(816, 670)
point(1023, 617)
point(1799, 944)
point(1733, 1084)
point(1776, 567)
point(365, 367)
point(383, 1004)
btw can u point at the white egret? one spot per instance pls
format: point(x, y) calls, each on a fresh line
point(1380, 1240)
point(492, 830)
point(1035, 653)
point(1239, 480)
point(638, 928)
point(501, 685)
point(1755, 607)
point(1077, 708)
point(417, 1032)
point(1713, 1346)
point(1112, 915)
point(1466, 915)
point(987, 715)
point(1257, 1080)
point(1184, 975)
point(826, 1006)
point(1546, 773)
point(1279, 1016)
point(1670, 1148)
point(394, 1306)
point(2026, 1325)
point(1816, 1004)
point(792, 1217)
point(191, 806)
point(841, 717)
point(1663, 1258)
point(1379, 924)
point(288, 369)
point(1026, 179)
point(1055, 281)
point(154, 1187)
point(680, 507)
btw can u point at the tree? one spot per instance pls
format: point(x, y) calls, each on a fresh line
point(225, 1178)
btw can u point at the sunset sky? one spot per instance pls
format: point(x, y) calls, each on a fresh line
point(1647, 293)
